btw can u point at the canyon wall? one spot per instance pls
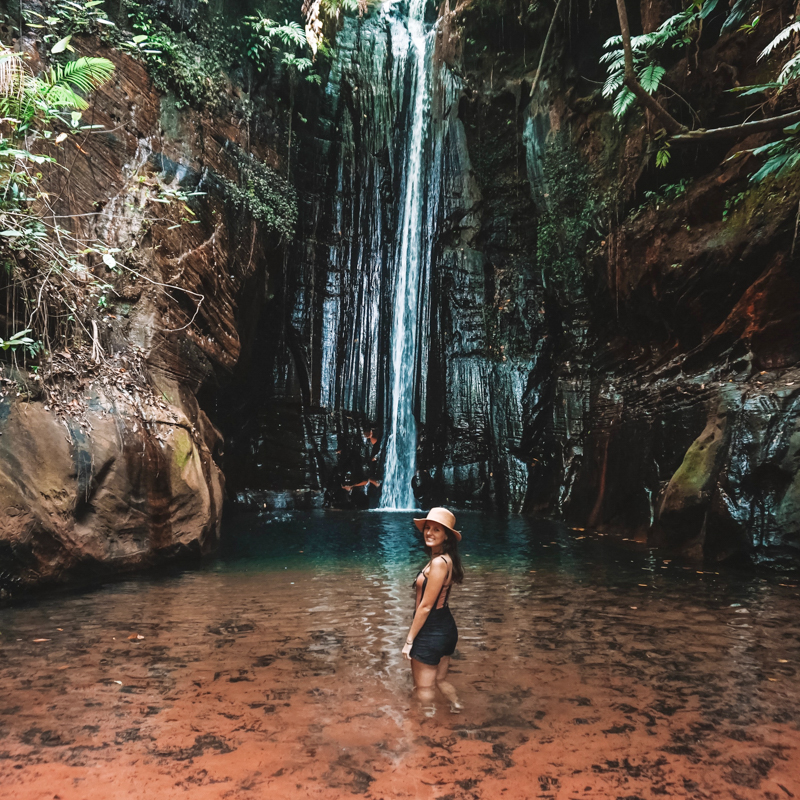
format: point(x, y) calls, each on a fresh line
point(604, 341)
point(601, 341)
point(108, 458)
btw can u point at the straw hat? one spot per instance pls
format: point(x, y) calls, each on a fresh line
point(443, 517)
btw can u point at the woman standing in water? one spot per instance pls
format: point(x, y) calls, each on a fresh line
point(433, 634)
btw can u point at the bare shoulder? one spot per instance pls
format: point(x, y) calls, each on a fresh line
point(440, 564)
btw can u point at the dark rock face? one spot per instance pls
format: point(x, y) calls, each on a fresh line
point(481, 306)
point(585, 354)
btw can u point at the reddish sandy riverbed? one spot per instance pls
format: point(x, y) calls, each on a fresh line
point(290, 685)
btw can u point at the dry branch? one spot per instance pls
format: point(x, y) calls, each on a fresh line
point(544, 47)
point(739, 131)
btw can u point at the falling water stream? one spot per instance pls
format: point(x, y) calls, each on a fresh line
point(411, 56)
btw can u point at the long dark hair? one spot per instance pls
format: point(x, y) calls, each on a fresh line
point(450, 548)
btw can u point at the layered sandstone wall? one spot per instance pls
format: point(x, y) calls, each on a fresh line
point(108, 461)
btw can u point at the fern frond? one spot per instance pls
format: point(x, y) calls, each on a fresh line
point(676, 23)
point(623, 102)
point(643, 42)
point(791, 70)
point(60, 96)
point(615, 59)
point(783, 156)
point(85, 74)
point(291, 34)
point(779, 39)
point(613, 82)
point(650, 77)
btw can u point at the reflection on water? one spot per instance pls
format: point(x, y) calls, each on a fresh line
point(588, 669)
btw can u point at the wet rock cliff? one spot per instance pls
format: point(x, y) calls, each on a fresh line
point(602, 340)
point(108, 458)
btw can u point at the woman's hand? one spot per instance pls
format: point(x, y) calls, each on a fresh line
point(407, 651)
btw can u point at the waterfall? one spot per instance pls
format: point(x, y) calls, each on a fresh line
point(378, 160)
point(412, 255)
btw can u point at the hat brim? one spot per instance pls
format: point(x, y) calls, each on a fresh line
point(420, 523)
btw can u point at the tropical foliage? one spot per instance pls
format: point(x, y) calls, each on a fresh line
point(26, 98)
point(683, 29)
point(782, 156)
point(675, 33)
point(268, 39)
point(42, 270)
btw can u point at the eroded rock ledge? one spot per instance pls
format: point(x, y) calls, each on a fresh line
point(107, 461)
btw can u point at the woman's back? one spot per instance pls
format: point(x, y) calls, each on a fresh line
point(422, 581)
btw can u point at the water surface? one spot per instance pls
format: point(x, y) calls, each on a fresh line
point(588, 668)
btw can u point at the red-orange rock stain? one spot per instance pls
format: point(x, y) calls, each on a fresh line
point(290, 685)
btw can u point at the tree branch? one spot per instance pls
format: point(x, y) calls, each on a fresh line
point(625, 28)
point(739, 131)
point(680, 133)
point(672, 126)
point(544, 47)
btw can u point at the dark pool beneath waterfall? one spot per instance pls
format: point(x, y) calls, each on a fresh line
point(588, 668)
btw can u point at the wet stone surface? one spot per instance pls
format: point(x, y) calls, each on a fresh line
point(588, 669)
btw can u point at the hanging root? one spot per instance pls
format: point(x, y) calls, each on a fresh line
point(97, 351)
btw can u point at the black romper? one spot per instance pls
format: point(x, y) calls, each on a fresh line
point(438, 636)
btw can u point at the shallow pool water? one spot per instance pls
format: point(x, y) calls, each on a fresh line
point(588, 668)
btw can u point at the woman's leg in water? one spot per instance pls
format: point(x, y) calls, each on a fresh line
point(424, 682)
point(445, 687)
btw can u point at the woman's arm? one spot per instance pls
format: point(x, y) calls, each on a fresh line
point(436, 578)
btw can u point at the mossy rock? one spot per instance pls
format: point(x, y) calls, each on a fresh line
point(693, 481)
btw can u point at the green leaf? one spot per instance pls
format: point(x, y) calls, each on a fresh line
point(650, 77)
point(623, 102)
point(745, 91)
point(739, 10)
point(708, 7)
point(791, 70)
point(782, 37)
point(85, 74)
point(61, 45)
